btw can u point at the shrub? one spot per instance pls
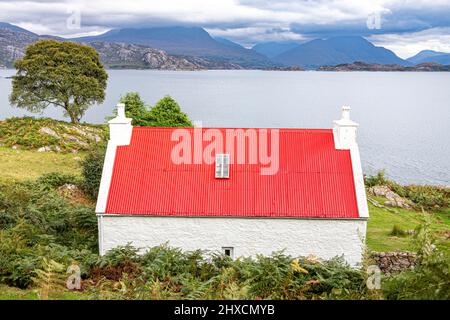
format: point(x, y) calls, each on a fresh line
point(398, 232)
point(92, 166)
point(55, 179)
point(426, 196)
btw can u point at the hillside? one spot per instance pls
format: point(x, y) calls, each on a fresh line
point(430, 56)
point(337, 50)
point(131, 56)
point(14, 40)
point(273, 48)
point(46, 135)
point(185, 41)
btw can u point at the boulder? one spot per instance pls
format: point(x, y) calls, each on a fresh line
point(393, 199)
point(48, 131)
point(44, 149)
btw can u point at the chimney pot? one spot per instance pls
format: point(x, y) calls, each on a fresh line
point(121, 110)
point(344, 130)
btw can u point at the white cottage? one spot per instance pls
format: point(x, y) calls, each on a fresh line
point(239, 191)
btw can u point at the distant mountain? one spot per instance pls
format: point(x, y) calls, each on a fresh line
point(185, 41)
point(229, 43)
point(8, 26)
point(430, 56)
point(273, 48)
point(13, 43)
point(337, 50)
point(125, 56)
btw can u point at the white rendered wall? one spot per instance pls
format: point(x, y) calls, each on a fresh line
point(248, 236)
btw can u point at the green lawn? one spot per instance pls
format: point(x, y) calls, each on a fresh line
point(382, 221)
point(25, 164)
point(10, 293)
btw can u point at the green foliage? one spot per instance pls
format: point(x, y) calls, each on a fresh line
point(377, 180)
point(429, 279)
point(92, 166)
point(35, 222)
point(135, 109)
point(397, 231)
point(27, 133)
point(425, 196)
point(166, 112)
point(49, 279)
point(64, 74)
point(55, 179)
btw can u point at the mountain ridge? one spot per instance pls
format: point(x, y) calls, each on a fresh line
point(337, 50)
point(193, 48)
point(185, 41)
point(430, 56)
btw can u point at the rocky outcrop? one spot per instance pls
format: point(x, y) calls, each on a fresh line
point(48, 135)
point(393, 262)
point(122, 55)
point(392, 198)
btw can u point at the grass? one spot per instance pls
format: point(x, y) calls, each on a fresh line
point(382, 222)
point(25, 164)
point(10, 293)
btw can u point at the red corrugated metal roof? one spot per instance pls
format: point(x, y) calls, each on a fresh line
point(314, 180)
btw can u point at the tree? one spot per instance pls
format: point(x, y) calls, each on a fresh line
point(92, 166)
point(135, 109)
point(167, 113)
point(65, 74)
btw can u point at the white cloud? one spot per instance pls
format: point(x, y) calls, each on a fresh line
point(407, 45)
point(246, 21)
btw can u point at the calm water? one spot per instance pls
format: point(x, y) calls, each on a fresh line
point(404, 117)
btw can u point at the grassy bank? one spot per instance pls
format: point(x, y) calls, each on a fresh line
point(27, 164)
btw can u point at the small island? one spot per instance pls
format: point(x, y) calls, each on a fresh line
point(363, 66)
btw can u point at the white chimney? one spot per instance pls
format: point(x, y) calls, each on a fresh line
point(120, 127)
point(344, 130)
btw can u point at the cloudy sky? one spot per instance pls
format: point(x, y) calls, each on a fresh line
point(404, 26)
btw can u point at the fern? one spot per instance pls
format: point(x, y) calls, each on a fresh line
point(49, 279)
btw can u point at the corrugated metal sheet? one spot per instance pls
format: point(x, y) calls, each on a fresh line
point(314, 180)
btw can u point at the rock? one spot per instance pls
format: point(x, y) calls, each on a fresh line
point(379, 191)
point(44, 149)
point(393, 262)
point(57, 148)
point(15, 147)
point(48, 131)
point(77, 158)
point(393, 199)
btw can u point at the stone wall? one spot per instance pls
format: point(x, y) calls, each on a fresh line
point(392, 262)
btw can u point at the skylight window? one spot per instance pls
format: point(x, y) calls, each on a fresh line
point(222, 165)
